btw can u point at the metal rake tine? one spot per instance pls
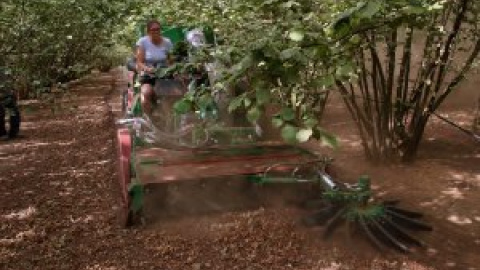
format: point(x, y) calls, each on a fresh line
point(409, 222)
point(351, 228)
point(391, 202)
point(390, 238)
point(320, 217)
point(334, 222)
point(315, 204)
point(369, 233)
point(408, 213)
point(402, 233)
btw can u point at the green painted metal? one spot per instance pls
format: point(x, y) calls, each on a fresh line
point(136, 192)
point(136, 103)
point(176, 33)
point(359, 195)
point(278, 180)
point(135, 189)
point(373, 211)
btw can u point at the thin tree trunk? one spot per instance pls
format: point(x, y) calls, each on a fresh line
point(357, 118)
point(387, 102)
point(412, 144)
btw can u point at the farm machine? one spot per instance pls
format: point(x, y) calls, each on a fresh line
point(206, 142)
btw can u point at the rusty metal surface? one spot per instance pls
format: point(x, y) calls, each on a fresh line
point(157, 165)
point(124, 154)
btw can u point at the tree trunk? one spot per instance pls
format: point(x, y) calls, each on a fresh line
point(410, 148)
point(476, 119)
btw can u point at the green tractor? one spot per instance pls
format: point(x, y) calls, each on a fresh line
point(190, 141)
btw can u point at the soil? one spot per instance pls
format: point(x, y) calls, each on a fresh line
point(60, 200)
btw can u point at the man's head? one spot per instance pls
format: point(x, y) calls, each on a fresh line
point(6, 80)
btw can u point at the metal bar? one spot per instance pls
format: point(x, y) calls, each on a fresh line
point(466, 131)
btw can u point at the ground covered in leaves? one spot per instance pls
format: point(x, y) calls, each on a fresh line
point(60, 201)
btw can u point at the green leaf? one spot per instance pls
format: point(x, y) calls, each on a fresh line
point(413, 10)
point(135, 191)
point(287, 114)
point(290, 4)
point(328, 140)
point(205, 101)
point(289, 133)
point(296, 35)
point(345, 70)
point(182, 106)
point(310, 122)
point(247, 102)
point(304, 135)
point(235, 103)
point(277, 121)
point(243, 65)
point(253, 114)
point(289, 53)
point(437, 6)
point(326, 81)
point(370, 9)
point(262, 95)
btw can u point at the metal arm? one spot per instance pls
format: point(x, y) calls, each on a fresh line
point(146, 130)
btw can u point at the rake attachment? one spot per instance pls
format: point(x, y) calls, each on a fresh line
point(383, 223)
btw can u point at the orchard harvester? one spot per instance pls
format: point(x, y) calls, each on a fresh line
point(165, 147)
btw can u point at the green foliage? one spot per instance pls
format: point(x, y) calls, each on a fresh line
point(286, 55)
point(408, 56)
point(46, 42)
point(290, 54)
point(265, 52)
point(136, 193)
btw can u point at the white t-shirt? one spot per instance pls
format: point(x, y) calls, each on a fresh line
point(155, 54)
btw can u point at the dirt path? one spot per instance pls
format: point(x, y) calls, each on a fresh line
point(59, 208)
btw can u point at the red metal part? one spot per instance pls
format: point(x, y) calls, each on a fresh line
point(129, 98)
point(130, 94)
point(157, 165)
point(131, 75)
point(124, 150)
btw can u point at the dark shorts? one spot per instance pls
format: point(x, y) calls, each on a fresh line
point(169, 87)
point(147, 79)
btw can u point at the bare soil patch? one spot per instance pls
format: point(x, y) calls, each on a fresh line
point(60, 203)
